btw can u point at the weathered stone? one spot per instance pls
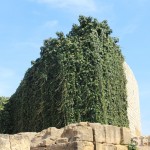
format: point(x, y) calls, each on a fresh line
point(82, 124)
point(100, 146)
point(108, 147)
point(78, 133)
point(59, 146)
point(52, 132)
point(46, 137)
point(125, 136)
point(81, 136)
point(142, 140)
point(143, 148)
point(45, 142)
point(30, 135)
point(80, 145)
point(113, 134)
point(62, 140)
point(38, 148)
point(98, 132)
point(121, 147)
point(19, 142)
point(4, 142)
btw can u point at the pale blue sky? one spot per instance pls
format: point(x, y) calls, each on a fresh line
point(24, 24)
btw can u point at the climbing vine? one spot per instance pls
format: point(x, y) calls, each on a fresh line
point(78, 77)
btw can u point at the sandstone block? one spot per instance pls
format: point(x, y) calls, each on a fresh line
point(82, 124)
point(45, 142)
point(30, 135)
point(52, 132)
point(121, 147)
point(113, 134)
point(125, 136)
point(46, 137)
point(4, 142)
point(19, 142)
point(99, 132)
point(80, 145)
point(60, 146)
point(100, 146)
point(78, 133)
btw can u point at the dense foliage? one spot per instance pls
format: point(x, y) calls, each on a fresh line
point(3, 114)
point(78, 77)
point(3, 101)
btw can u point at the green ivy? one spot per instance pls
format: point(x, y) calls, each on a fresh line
point(3, 101)
point(78, 77)
point(132, 145)
point(3, 113)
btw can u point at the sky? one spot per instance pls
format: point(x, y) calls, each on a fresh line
point(25, 24)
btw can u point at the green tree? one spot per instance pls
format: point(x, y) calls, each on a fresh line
point(78, 77)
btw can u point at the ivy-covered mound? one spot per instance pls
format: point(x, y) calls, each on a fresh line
point(78, 77)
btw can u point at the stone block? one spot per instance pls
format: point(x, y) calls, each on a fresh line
point(30, 135)
point(121, 147)
point(82, 124)
point(98, 132)
point(51, 132)
point(46, 137)
point(44, 143)
point(125, 136)
point(78, 133)
point(60, 146)
point(19, 142)
point(100, 146)
point(113, 134)
point(4, 142)
point(80, 145)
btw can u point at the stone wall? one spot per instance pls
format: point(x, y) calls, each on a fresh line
point(133, 102)
point(14, 142)
point(79, 136)
point(142, 142)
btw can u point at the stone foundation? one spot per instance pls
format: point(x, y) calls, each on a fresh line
point(79, 136)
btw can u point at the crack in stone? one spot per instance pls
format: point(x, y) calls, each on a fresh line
point(94, 141)
point(10, 143)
